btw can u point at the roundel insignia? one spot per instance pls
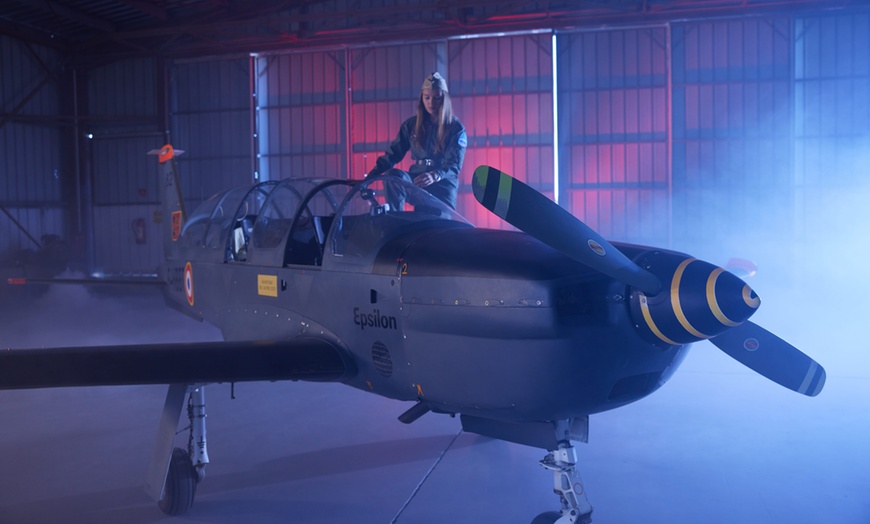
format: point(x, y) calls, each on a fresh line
point(188, 283)
point(751, 344)
point(595, 247)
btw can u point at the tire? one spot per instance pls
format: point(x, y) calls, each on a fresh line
point(181, 483)
point(547, 518)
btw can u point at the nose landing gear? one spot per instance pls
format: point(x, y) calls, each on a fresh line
point(555, 436)
point(568, 485)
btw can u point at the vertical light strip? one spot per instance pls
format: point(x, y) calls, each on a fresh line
point(669, 124)
point(253, 108)
point(348, 114)
point(555, 120)
point(260, 118)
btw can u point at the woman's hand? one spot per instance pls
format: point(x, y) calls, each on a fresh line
point(426, 179)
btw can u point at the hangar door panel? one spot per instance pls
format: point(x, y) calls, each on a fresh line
point(211, 121)
point(613, 132)
point(832, 139)
point(300, 117)
point(127, 237)
point(732, 126)
point(35, 179)
point(502, 91)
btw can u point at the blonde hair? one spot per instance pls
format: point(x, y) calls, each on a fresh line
point(442, 119)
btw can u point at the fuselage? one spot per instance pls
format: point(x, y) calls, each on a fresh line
point(467, 320)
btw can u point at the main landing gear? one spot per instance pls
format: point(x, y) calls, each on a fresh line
point(175, 472)
point(568, 485)
point(180, 487)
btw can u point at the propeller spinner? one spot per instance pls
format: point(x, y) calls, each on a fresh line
point(677, 300)
point(699, 300)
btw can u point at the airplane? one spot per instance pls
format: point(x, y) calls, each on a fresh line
point(380, 286)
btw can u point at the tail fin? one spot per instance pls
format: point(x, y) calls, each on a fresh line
point(174, 214)
point(174, 271)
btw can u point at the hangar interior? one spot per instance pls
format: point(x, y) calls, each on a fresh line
point(662, 123)
point(728, 129)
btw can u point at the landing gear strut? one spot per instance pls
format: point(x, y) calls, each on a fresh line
point(175, 472)
point(557, 436)
point(568, 485)
point(196, 444)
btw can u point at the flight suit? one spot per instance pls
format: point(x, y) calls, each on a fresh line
point(445, 164)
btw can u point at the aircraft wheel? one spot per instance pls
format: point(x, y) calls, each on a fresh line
point(548, 517)
point(181, 483)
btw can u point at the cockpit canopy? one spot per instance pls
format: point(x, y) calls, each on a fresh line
point(305, 221)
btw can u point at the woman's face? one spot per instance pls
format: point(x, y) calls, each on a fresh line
point(432, 99)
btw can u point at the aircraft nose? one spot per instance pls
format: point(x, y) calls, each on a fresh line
point(698, 301)
point(730, 299)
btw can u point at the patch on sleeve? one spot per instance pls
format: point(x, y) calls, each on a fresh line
point(463, 140)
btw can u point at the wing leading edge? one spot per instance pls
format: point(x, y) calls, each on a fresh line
point(194, 363)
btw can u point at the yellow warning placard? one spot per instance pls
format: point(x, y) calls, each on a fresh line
point(267, 285)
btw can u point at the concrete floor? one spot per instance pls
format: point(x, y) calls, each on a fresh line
point(717, 444)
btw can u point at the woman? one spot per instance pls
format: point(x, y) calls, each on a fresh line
point(436, 140)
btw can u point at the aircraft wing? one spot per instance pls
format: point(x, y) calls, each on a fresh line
point(308, 359)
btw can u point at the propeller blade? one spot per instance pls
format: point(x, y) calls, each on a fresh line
point(531, 212)
point(772, 357)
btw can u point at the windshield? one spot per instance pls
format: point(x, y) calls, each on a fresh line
point(210, 223)
point(382, 208)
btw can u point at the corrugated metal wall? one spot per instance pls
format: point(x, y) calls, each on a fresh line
point(210, 115)
point(832, 139)
point(614, 131)
point(765, 113)
point(126, 198)
point(301, 115)
point(732, 84)
point(502, 89)
point(210, 118)
point(123, 99)
point(32, 171)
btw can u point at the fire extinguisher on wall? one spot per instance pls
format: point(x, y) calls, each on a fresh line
point(139, 230)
